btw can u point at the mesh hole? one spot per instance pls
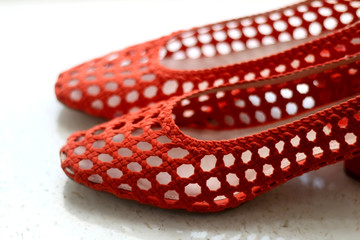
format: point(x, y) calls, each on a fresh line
point(150, 91)
point(234, 33)
point(268, 170)
point(104, 157)
point(240, 103)
point(187, 87)
point(265, 29)
point(302, 88)
point(173, 46)
point(208, 50)
point(134, 167)
point(260, 116)
point(246, 156)
point(327, 129)
point(185, 170)
point(330, 23)
point(69, 170)
point(171, 195)
point(144, 184)
point(255, 100)
point(163, 178)
point(170, 87)
point(79, 150)
point(129, 82)
point(137, 132)
point(132, 96)
point(276, 112)
point(232, 179)
point(300, 158)
point(334, 145)
point(193, 52)
point(75, 95)
point(208, 163)
point(144, 146)
point(118, 126)
point(177, 152)
point(350, 138)
point(114, 173)
point(93, 90)
point(213, 184)
point(163, 139)
point(73, 82)
point(291, 108)
point(250, 175)
point(154, 161)
point(192, 189)
point(295, 141)
point(286, 93)
point(315, 28)
point(63, 156)
point(113, 101)
point(125, 187)
point(308, 103)
point(125, 152)
point(229, 160)
point(264, 152)
point(95, 178)
point(280, 146)
point(99, 144)
point(311, 136)
point(285, 163)
point(317, 151)
point(148, 77)
point(155, 127)
point(205, 38)
point(223, 48)
point(98, 131)
point(97, 104)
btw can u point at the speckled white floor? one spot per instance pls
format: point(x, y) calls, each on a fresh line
point(37, 200)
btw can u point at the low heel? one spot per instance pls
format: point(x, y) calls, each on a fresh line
point(352, 168)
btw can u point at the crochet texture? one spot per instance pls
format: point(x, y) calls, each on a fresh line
point(146, 157)
point(126, 80)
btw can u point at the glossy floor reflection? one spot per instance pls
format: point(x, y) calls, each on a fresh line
point(70, 120)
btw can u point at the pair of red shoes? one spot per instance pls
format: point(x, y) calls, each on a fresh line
point(144, 155)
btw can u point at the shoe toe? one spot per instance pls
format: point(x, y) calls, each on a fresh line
point(117, 157)
point(71, 86)
point(105, 86)
point(143, 157)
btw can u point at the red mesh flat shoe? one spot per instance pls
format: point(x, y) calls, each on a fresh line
point(147, 157)
point(138, 76)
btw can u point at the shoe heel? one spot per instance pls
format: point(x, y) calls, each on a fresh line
point(352, 168)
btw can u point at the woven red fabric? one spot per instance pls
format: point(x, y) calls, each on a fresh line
point(146, 157)
point(126, 80)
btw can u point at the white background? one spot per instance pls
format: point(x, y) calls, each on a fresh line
point(38, 40)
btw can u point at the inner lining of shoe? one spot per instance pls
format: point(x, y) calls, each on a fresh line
point(255, 106)
point(243, 55)
point(257, 36)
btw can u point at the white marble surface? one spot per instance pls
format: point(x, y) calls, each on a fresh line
point(37, 201)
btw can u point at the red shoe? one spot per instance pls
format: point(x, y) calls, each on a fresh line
point(138, 76)
point(146, 156)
